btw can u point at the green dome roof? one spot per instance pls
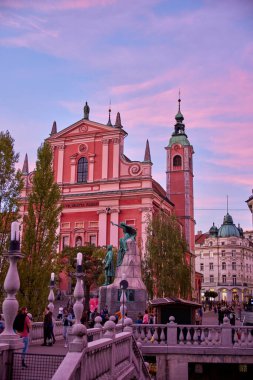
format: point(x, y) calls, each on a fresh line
point(179, 139)
point(213, 230)
point(228, 228)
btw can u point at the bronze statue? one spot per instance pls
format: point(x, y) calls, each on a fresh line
point(129, 233)
point(109, 267)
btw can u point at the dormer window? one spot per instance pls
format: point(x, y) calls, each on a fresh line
point(177, 161)
point(82, 170)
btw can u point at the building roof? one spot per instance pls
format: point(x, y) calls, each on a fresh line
point(200, 238)
point(228, 228)
point(172, 301)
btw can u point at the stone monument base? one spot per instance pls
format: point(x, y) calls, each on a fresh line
point(136, 293)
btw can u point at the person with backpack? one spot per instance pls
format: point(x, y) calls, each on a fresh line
point(22, 326)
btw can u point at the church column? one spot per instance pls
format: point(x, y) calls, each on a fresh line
point(105, 154)
point(114, 231)
point(60, 163)
point(91, 167)
point(115, 157)
point(102, 218)
point(72, 169)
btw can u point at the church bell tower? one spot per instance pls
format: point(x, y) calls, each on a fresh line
point(179, 177)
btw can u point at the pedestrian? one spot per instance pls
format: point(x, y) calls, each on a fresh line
point(67, 323)
point(60, 312)
point(145, 318)
point(22, 325)
point(48, 328)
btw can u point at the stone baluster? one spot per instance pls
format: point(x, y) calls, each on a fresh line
point(162, 336)
point(236, 340)
point(226, 333)
point(143, 336)
point(210, 337)
point(79, 331)
point(188, 337)
point(250, 340)
point(155, 335)
point(51, 294)
point(203, 337)
point(195, 336)
point(11, 287)
point(217, 337)
point(148, 334)
point(181, 337)
point(243, 339)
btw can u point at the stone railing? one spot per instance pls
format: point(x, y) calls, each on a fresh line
point(112, 356)
point(173, 334)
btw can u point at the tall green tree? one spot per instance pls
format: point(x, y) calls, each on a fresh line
point(93, 266)
point(40, 238)
point(10, 187)
point(165, 270)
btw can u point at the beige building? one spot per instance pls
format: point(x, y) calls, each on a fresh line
point(225, 258)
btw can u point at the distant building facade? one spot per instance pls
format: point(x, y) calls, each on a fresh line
point(225, 258)
point(100, 185)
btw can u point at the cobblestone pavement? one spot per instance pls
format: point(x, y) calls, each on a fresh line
point(210, 318)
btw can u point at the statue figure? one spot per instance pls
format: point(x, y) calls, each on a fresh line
point(129, 233)
point(109, 269)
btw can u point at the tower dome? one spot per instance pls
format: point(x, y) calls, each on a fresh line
point(228, 228)
point(213, 231)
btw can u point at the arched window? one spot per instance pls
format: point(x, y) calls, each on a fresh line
point(177, 161)
point(82, 170)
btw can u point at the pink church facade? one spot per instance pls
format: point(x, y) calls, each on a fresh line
point(100, 185)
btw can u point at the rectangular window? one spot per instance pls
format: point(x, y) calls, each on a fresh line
point(65, 225)
point(233, 265)
point(233, 253)
point(93, 224)
point(211, 266)
point(223, 253)
point(93, 239)
point(222, 243)
point(224, 279)
point(223, 265)
point(211, 278)
point(234, 279)
point(201, 266)
point(78, 224)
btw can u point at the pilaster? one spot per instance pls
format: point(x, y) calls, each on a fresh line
point(105, 155)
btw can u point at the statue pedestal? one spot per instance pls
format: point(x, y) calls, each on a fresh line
point(136, 294)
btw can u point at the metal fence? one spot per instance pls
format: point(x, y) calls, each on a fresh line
point(39, 366)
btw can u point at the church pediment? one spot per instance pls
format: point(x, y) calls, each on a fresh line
point(83, 127)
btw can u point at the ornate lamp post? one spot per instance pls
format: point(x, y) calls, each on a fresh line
point(79, 331)
point(11, 286)
point(51, 293)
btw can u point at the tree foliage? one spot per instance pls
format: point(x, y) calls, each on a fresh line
point(11, 184)
point(165, 270)
point(40, 239)
point(93, 266)
point(211, 294)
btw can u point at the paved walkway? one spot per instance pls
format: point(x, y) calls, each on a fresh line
point(210, 318)
point(57, 349)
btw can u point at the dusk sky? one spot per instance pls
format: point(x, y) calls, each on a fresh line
point(55, 55)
